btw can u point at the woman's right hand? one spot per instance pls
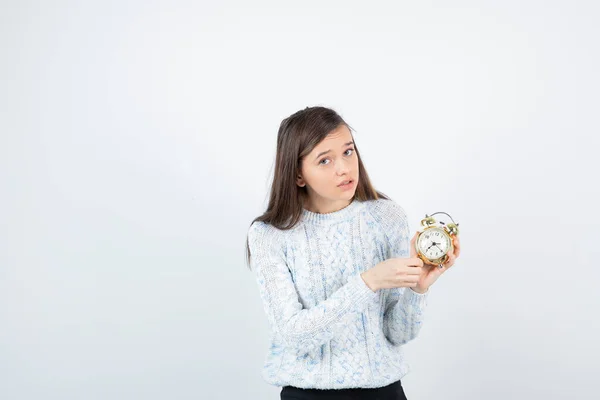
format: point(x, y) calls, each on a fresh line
point(394, 273)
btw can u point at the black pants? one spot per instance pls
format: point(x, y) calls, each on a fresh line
point(393, 391)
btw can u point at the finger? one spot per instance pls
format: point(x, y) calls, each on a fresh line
point(415, 262)
point(414, 271)
point(456, 246)
point(450, 262)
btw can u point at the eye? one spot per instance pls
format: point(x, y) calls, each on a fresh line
point(321, 162)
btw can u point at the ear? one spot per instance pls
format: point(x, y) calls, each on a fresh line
point(300, 182)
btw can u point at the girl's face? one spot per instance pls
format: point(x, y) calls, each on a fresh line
point(330, 163)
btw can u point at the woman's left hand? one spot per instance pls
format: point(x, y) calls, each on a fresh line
point(432, 272)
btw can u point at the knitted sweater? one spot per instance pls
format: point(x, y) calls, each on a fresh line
point(329, 330)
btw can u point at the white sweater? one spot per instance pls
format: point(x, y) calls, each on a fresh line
point(328, 329)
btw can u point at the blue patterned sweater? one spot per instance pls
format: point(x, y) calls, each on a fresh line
point(328, 329)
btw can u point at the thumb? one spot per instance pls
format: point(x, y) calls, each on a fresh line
point(413, 248)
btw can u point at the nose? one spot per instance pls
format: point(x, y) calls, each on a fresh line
point(342, 166)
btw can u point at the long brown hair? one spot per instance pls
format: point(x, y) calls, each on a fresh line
point(298, 135)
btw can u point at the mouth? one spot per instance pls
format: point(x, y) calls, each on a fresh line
point(346, 183)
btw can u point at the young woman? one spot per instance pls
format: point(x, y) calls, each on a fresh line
point(342, 287)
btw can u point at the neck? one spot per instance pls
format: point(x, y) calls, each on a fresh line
point(328, 208)
point(335, 213)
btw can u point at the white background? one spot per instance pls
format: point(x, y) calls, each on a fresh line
point(137, 144)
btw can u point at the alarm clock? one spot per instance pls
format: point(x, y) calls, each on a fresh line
point(434, 243)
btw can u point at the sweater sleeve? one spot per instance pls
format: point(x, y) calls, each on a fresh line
point(404, 308)
point(299, 328)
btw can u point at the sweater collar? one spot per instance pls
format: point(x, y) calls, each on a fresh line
point(335, 216)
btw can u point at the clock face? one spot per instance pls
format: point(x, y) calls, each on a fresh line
point(433, 243)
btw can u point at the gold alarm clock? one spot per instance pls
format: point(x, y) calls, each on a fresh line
point(435, 242)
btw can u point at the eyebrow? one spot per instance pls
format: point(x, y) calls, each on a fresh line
point(325, 152)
